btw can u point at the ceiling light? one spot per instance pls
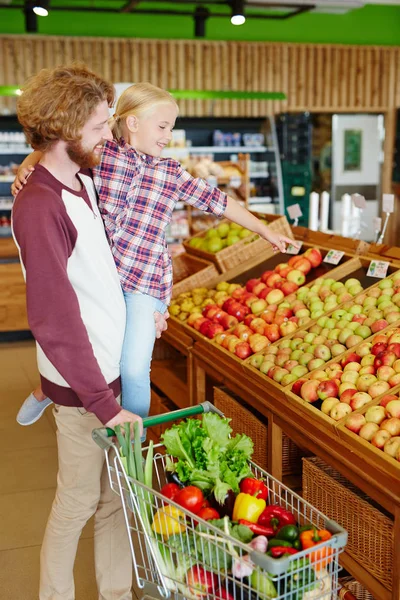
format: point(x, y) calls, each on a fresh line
point(238, 17)
point(41, 8)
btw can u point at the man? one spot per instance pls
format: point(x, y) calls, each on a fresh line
point(76, 312)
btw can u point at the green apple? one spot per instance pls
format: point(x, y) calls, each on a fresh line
point(223, 229)
point(385, 283)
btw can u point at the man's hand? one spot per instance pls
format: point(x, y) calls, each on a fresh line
point(20, 179)
point(161, 322)
point(124, 416)
point(277, 240)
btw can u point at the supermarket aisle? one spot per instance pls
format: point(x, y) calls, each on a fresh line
point(28, 468)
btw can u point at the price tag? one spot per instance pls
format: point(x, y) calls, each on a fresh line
point(377, 223)
point(359, 201)
point(378, 269)
point(333, 257)
point(290, 249)
point(388, 203)
point(294, 211)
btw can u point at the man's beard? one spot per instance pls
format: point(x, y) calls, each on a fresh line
point(85, 159)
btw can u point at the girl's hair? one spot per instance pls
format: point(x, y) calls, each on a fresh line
point(56, 103)
point(135, 100)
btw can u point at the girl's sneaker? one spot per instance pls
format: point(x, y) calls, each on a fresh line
point(32, 410)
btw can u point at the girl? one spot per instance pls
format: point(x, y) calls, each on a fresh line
point(138, 191)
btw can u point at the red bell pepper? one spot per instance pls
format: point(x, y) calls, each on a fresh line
point(254, 487)
point(276, 517)
point(278, 551)
point(257, 529)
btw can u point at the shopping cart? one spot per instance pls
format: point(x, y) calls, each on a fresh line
point(190, 558)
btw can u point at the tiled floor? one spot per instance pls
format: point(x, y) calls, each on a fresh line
point(28, 468)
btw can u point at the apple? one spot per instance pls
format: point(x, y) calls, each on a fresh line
point(272, 332)
point(384, 359)
point(364, 370)
point(257, 289)
point(275, 297)
point(378, 348)
point(368, 361)
point(309, 390)
point(337, 349)
point(328, 404)
point(314, 256)
point(391, 425)
point(368, 431)
point(352, 366)
point(347, 395)
point(228, 321)
point(323, 352)
point(299, 371)
point(379, 325)
point(339, 411)
point(378, 388)
point(306, 358)
point(243, 350)
point(346, 386)
point(273, 280)
point(318, 373)
point(380, 438)
point(353, 340)
point(363, 331)
point(233, 342)
point(303, 265)
point(328, 389)
point(316, 363)
point(279, 373)
point(375, 414)
point(297, 277)
point(350, 377)
point(364, 349)
point(257, 325)
point(259, 305)
point(256, 361)
point(385, 373)
point(359, 400)
point(258, 342)
point(352, 357)
point(354, 422)
point(251, 283)
point(392, 446)
point(393, 408)
point(365, 381)
point(287, 328)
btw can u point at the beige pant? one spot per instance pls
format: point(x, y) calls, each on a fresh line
point(83, 490)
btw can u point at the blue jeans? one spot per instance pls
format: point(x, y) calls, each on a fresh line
point(140, 335)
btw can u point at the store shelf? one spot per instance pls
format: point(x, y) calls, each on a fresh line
point(7, 178)
point(15, 152)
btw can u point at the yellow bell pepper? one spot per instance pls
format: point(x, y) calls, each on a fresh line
point(168, 521)
point(248, 507)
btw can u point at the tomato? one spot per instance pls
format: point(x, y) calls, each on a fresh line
point(190, 498)
point(208, 513)
point(170, 490)
point(205, 504)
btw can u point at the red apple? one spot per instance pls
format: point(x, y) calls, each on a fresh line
point(359, 400)
point(347, 395)
point(243, 350)
point(378, 347)
point(395, 348)
point(272, 332)
point(393, 408)
point(354, 422)
point(380, 438)
point(352, 357)
point(327, 389)
point(264, 292)
point(368, 431)
point(303, 265)
point(251, 284)
point(265, 275)
point(296, 387)
point(384, 359)
point(388, 398)
point(273, 279)
point(379, 325)
point(314, 256)
point(275, 297)
point(199, 322)
point(391, 425)
point(228, 321)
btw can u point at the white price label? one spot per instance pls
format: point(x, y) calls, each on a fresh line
point(334, 257)
point(294, 211)
point(235, 182)
point(378, 269)
point(359, 201)
point(388, 203)
point(291, 249)
point(377, 223)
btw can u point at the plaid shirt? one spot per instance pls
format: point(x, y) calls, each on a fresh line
point(137, 195)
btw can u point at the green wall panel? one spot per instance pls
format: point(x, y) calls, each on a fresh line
point(370, 25)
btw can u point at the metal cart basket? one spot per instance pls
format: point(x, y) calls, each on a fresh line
point(188, 557)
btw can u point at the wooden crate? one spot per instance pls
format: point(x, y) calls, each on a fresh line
point(246, 420)
point(240, 252)
point(370, 530)
point(190, 272)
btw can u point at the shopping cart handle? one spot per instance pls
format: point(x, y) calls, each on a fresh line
point(183, 413)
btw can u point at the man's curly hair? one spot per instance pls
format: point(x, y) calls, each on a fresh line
point(56, 103)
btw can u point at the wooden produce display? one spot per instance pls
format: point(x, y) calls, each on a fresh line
point(329, 240)
point(370, 530)
point(239, 252)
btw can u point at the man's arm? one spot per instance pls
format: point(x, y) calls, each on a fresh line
point(46, 237)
